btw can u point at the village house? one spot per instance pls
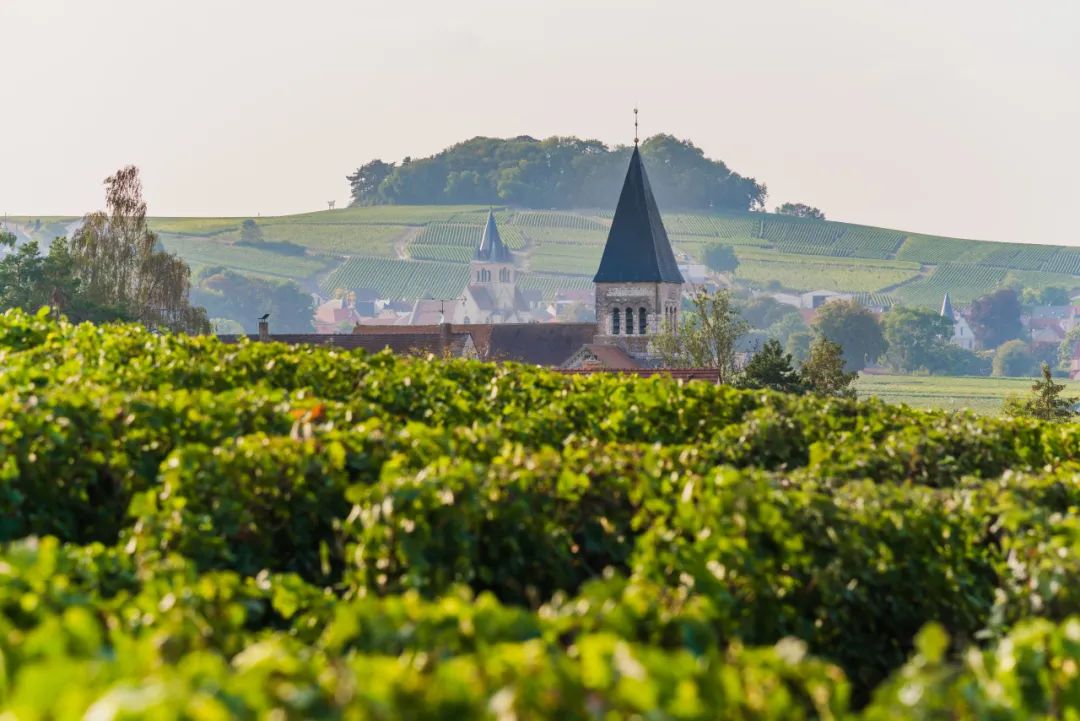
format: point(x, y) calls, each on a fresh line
point(962, 336)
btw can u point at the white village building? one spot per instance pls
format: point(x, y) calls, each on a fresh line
point(962, 335)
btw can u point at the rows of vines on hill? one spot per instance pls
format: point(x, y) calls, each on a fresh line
point(196, 530)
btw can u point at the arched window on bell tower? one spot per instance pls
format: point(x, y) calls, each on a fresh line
point(629, 321)
point(643, 323)
point(615, 322)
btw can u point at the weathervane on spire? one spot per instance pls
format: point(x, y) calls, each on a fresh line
point(635, 128)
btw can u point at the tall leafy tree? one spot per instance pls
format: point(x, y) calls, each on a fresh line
point(1067, 349)
point(788, 325)
point(995, 318)
point(121, 263)
point(721, 258)
point(763, 311)
point(250, 232)
point(823, 371)
point(706, 337)
point(855, 328)
point(1012, 359)
point(364, 183)
point(917, 339)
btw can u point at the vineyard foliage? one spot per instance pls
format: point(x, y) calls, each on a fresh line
point(194, 530)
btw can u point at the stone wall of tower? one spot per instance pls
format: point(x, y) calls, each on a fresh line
point(495, 270)
point(659, 300)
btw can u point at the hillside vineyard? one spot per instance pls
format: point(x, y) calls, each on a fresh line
point(423, 251)
point(193, 530)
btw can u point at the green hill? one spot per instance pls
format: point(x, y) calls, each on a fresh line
point(414, 251)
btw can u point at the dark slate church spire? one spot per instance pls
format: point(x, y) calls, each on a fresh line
point(492, 249)
point(946, 309)
point(638, 249)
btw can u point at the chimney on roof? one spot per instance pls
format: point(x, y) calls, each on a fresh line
point(264, 330)
point(444, 339)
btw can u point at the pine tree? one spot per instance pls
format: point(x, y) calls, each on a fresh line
point(1047, 403)
point(771, 368)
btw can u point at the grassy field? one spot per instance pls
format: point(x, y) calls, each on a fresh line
point(781, 251)
point(980, 394)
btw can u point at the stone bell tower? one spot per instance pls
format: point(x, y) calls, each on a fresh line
point(638, 283)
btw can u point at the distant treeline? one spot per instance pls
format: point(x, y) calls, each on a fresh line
point(554, 173)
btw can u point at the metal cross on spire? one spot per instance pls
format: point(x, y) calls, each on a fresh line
point(635, 128)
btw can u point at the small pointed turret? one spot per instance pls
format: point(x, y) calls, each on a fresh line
point(946, 309)
point(492, 249)
point(637, 249)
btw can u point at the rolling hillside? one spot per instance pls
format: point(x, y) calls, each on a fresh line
point(417, 251)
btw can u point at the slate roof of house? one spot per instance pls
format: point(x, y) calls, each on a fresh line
point(711, 375)
point(544, 344)
point(946, 309)
point(637, 249)
point(612, 357)
point(415, 343)
point(426, 311)
point(492, 249)
point(482, 297)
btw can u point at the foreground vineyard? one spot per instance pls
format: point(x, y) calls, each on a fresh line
point(201, 531)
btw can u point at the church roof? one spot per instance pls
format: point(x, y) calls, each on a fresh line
point(492, 249)
point(637, 249)
point(946, 308)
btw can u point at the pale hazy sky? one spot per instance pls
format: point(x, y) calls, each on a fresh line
point(959, 117)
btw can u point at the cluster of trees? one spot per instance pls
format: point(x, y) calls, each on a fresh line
point(800, 210)
point(907, 340)
point(30, 280)
point(558, 172)
point(235, 301)
point(709, 336)
point(825, 357)
point(114, 268)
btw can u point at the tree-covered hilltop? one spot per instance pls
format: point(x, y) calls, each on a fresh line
point(558, 172)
